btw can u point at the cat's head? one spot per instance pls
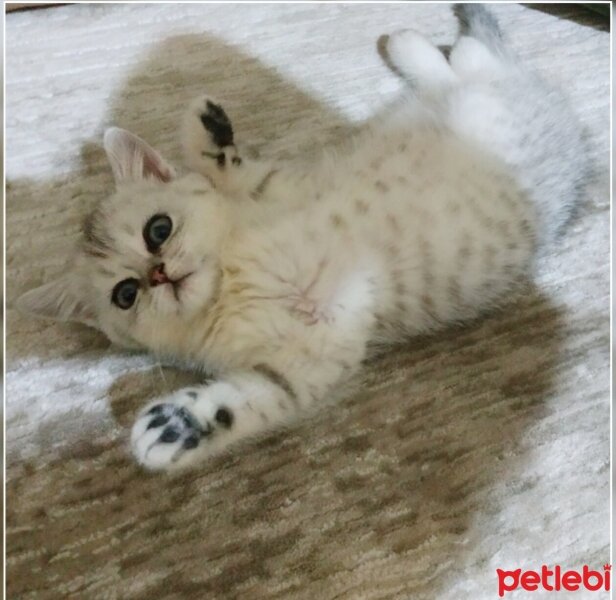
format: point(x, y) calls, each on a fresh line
point(148, 260)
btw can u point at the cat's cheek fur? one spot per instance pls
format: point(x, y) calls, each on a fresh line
point(203, 283)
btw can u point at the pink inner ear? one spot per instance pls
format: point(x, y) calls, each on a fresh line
point(153, 165)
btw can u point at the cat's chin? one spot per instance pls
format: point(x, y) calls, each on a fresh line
point(195, 292)
point(178, 289)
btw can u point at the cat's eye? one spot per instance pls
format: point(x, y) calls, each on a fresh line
point(125, 293)
point(156, 231)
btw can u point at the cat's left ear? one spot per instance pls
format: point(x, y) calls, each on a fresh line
point(133, 159)
point(59, 300)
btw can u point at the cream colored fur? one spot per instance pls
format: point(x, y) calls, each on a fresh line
point(430, 216)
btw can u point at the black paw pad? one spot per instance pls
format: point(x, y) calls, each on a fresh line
point(158, 421)
point(225, 417)
point(192, 441)
point(177, 424)
point(189, 421)
point(215, 120)
point(169, 435)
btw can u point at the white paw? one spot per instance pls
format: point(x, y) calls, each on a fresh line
point(168, 435)
point(208, 137)
point(408, 41)
point(417, 58)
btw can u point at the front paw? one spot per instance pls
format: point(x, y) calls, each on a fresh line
point(164, 433)
point(209, 138)
point(173, 433)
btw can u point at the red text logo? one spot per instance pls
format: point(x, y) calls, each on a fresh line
point(554, 580)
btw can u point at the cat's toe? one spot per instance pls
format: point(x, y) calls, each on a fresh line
point(164, 433)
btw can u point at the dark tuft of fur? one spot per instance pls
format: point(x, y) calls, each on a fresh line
point(478, 22)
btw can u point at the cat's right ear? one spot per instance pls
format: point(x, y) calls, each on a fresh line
point(57, 300)
point(133, 159)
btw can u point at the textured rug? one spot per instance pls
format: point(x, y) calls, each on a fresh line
point(484, 447)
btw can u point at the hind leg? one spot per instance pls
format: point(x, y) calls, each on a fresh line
point(420, 61)
point(480, 53)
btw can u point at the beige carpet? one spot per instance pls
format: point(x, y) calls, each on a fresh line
point(481, 448)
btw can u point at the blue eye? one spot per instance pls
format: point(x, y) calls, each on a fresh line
point(125, 293)
point(156, 231)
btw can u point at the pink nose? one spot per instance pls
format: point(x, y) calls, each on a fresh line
point(158, 275)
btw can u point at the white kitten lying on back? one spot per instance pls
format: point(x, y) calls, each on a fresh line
point(278, 280)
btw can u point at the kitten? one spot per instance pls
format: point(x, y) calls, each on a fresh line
point(278, 280)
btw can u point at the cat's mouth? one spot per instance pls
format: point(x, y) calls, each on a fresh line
point(177, 284)
point(159, 276)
